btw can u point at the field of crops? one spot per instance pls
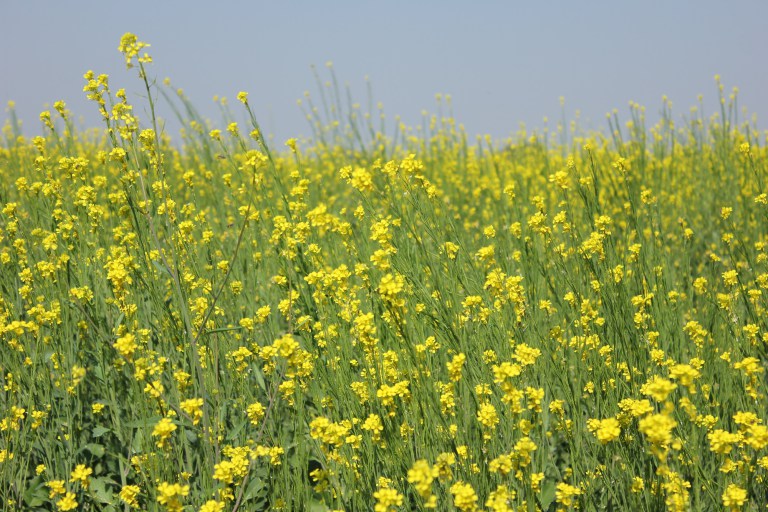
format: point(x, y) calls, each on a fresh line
point(410, 319)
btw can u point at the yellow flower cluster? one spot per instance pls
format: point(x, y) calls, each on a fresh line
point(365, 320)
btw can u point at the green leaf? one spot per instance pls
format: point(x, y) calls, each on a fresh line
point(99, 491)
point(143, 423)
point(233, 433)
point(260, 379)
point(317, 506)
point(99, 431)
point(162, 268)
point(191, 436)
point(36, 494)
point(547, 495)
point(138, 440)
point(256, 488)
point(96, 449)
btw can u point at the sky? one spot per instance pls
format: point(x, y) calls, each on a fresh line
point(503, 63)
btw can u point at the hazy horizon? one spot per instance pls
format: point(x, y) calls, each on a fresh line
point(502, 64)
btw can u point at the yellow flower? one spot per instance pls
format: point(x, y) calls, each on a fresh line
point(731, 278)
point(193, 407)
point(565, 493)
point(68, 502)
point(502, 464)
point(749, 365)
point(523, 449)
point(451, 249)
point(734, 497)
point(362, 180)
point(487, 416)
point(255, 413)
point(390, 288)
point(331, 433)
point(443, 465)
point(387, 498)
point(498, 500)
point(224, 472)
point(170, 495)
point(605, 430)
point(658, 388)
point(635, 408)
point(721, 441)
point(421, 475)
point(163, 430)
point(129, 494)
point(55, 487)
point(621, 164)
point(536, 479)
point(685, 374)
point(657, 428)
point(130, 46)
point(757, 436)
point(464, 497)
point(455, 366)
point(81, 474)
point(526, 355)
point(212, 506)
point(374, 426)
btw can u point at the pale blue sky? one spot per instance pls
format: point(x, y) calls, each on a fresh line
point(502, 62)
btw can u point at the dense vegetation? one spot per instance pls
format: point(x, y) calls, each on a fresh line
point(368, 321)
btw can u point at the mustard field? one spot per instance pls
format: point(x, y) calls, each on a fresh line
point(380, 317)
